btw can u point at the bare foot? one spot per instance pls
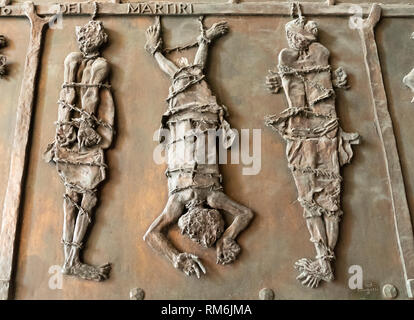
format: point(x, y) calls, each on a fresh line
point(312, 272)
point(89, 272)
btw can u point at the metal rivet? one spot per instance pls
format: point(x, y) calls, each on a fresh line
point(389, 291)
point(137, 294)
point(266, 294)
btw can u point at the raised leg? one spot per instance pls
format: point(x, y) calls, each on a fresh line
point(227, 248)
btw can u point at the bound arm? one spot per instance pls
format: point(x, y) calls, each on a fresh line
point(154, 45)
point(65, 133)
point(218, 29)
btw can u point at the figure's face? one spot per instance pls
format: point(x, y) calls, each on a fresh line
point(300, 34)
point(91, 37)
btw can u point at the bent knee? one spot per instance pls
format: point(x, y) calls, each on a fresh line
point(249, 214)
point(214, 197)
point(91, 199)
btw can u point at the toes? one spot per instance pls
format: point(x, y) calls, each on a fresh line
point(105, 269)
point(200, 265)
point(301, 276)
point(315, 283)
point(306, 281)
point(197, 272)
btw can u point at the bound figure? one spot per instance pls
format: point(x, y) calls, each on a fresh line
point(196, 198)
point(83, 131)
point(317, 147)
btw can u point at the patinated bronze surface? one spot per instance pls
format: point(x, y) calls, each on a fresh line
point(377, 193)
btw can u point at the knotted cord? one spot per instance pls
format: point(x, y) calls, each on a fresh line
point(95, 10)
point(295, 7)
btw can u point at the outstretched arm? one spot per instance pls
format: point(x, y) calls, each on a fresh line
point(154, 45)
point(165, 64)
point(157, 239)
point(218, 29)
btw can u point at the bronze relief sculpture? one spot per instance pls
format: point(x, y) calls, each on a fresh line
point(196, 196)
point(83, 131)
point(317, 147)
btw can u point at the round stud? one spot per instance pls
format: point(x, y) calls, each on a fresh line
point(137, 294)
point(266, 294)
point(389, 291)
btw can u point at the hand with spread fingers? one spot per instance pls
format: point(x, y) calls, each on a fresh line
point(273, 82)
point(153, 35)
point(189, 264)
point(87, 135)
point(218, 29)
point(65, 135)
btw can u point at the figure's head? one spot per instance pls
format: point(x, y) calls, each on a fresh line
point(91, 37)
point(301, 33)
point(202, 225)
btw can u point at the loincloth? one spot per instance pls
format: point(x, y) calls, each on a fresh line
point(80, 171)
